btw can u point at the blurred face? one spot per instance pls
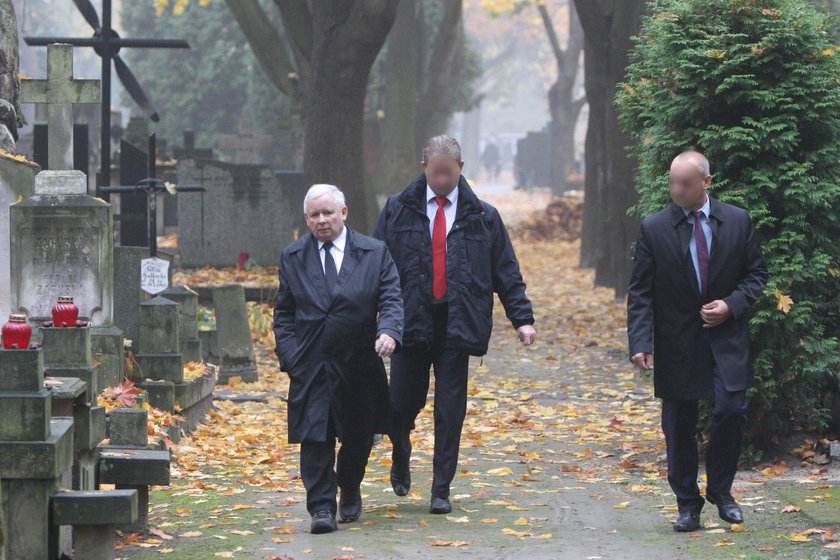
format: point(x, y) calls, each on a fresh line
point(688, 185)
point(442, 173)
point(324, 218)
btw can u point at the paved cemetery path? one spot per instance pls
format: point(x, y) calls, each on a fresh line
point(562, 458)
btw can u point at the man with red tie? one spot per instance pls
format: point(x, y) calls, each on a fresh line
point(452, 252)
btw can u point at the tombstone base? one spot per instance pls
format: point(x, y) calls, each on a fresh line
point(89, 426)
point(142, 522)
point(210, 345)
point(129, 426)
point(107, 348)
point(39, 459)
point(161, 394)
point(25, 415)
point(27, 511)
point(247, 372)
point(191, 350)
point(94, 542)
point(84, 471)
point(165, 367)
point(86, 374)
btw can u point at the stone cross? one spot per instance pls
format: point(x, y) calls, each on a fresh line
point(59, 92)
point(246, 146)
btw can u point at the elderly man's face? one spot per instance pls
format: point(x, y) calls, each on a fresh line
point(324, 217)
point(442, 173)
point(688, 185)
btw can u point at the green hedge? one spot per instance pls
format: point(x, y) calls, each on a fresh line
point(755, 85)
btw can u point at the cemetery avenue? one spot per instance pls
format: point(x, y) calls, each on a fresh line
point(420, 279)
point(562, 457)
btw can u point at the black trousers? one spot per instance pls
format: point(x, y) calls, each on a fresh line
point(322, 475)
point(679, 423)
point(409, 388)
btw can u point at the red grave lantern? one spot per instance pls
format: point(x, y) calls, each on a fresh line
point(16, 333)
point(65, 313)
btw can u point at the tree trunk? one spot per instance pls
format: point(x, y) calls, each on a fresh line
point(440, 73)
point(9, 63)
point(563, 106)
point(608, 231)
point(399, 157)
point(347, 36)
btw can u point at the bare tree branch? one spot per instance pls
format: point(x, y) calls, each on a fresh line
point(297, 21)
point(552, 34)
point(266, 44)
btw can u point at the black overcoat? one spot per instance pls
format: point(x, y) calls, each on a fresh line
point(325, 342)
point(664, 301)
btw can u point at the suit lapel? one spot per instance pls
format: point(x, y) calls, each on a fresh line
point(716, 225)
point(348, 263)
point(684, 233)
point(314, 270)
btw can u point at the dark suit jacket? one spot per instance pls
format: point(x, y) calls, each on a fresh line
point(663, 304)
point(325, 341)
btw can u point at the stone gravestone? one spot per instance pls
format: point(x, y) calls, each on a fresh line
point(160, 363)
point(67, 355)
point(134, 211)
point(187, 301)
point(236, 347)
point(246, 146)
point(17, 179)
point(158, 349)
point(244, 210)
point(127, 293)
point(61, 246)
point(35, 452)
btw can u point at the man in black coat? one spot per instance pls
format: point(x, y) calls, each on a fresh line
point(338, 312)
point(698, 271)
point(452, 252)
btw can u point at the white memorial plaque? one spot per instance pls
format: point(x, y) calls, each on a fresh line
point(154, 275)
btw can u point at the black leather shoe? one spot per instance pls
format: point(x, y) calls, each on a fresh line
point(728, 508)
point(689, 520)
point(440, 505)
point(350, 506)
point(400, 481)
point(323, 522)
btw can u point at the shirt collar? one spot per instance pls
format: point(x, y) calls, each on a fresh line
point(339, 241)
point(706, 209)
point(451, 197)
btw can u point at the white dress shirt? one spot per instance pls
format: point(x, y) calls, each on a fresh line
point(449, 208)
point(337, 250)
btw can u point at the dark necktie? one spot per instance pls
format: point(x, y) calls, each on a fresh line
point(330, 272)
point(702, 251)
point(439, 251)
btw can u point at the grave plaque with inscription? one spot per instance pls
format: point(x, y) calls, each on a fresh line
point(61, 247)
point(244, 210)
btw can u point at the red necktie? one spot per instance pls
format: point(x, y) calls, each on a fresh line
point(439, 251)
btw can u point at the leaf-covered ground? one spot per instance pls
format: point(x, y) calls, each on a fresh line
point(562, 457)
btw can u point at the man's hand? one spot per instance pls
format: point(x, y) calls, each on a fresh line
point(643, 360)
point(527, 334)
point(385, 346)
point(714, 313)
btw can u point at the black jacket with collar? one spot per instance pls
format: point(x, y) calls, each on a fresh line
point(664, 301)
point(479, 261)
